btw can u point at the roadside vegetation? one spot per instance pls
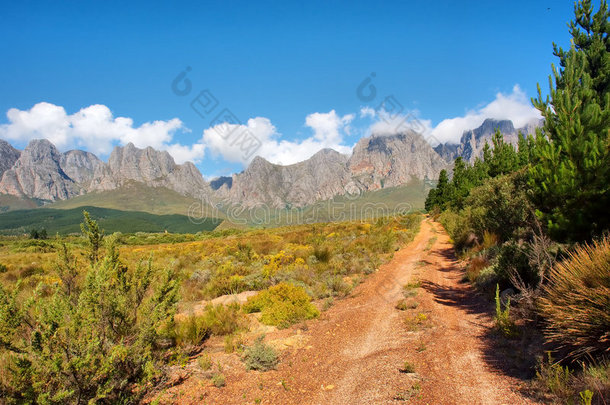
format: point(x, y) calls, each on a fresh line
point(532, 221)
point(103, 318)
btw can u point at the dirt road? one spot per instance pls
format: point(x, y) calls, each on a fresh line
point(356, 352)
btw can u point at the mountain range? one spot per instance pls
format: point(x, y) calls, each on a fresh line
point(43, 173)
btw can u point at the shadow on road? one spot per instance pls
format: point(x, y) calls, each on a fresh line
point(512, 357)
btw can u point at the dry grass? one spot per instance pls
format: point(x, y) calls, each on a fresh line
point(475, 266)
point(576, 303)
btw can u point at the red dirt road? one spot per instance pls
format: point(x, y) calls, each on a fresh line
point(355, 352)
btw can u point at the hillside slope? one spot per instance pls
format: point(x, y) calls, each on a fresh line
point(68, 221)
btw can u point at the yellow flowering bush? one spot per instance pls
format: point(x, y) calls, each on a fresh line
point(282, 305)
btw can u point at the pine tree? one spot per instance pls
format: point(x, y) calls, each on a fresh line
point(525, 148)
point(441, 195)
point(91, 230)
point(571, 170)
point(503, 158)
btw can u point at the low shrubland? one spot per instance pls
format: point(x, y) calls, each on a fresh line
point(94, 318)
point(88, 337)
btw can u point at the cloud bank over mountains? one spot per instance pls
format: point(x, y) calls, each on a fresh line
point(515, 106)
point(95, 129)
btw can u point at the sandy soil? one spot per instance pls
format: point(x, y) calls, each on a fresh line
point(355, 353)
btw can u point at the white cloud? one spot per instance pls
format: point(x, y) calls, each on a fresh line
point(95, 129)
point(367, 112)
point(327, 127)
point(514, 106)
point(44, 120)
point(328, 130)
point(391, 124)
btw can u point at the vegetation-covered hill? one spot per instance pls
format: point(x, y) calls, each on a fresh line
point(133, 196)
point(68, 221)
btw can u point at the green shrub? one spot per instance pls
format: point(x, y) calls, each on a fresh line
point(405, 304)
point(219, 380)
point(260, 356)
point(586, 397)
point(500, 206)
point(282, 305)
point(407, 367)
point(338, 286)
point(191, 331)
point(514, 258)
point(475, 266)
point(576, 303)
point(555, 379)
point(217, 320)
point(503, 321)
point(3, 268)
point(589, 385)
point(93, 341)
point(322, 254)
point(205, 362)
point(233, 343)
point(456, 226)
point(224, 319)
point(486, 279)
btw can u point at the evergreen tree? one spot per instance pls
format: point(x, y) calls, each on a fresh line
point(525, 147)
point(440, 196)
point(503, 158)
point(91, 230)
point(570, 174)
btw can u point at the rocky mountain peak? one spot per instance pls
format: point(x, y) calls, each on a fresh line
point(383, 161)
point(8, 156)
point(80, 166)
point(472, 141)
point(490, 125)
point(151, 167)
point(38, 174)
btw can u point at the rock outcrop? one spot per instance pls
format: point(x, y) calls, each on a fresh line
point(390, 161)
point(42, 172)
point(38, 174)
point(8, 156)
point(320, 177)
point(81, 166)
point(151, 167)
point(377, 162)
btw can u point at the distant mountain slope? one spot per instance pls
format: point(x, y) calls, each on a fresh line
point(38, 174)
point(149, 180)
point(151, 167)
point(8, 156)
point(389, 161)
point(133, 196)
point(12, 203)
point(320, 177)
point(377, 162)
point(42, 172)
point(68, 221)
point(409, 197)
point(365, 204)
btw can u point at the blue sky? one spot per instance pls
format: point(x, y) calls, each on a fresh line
point(287, 71)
